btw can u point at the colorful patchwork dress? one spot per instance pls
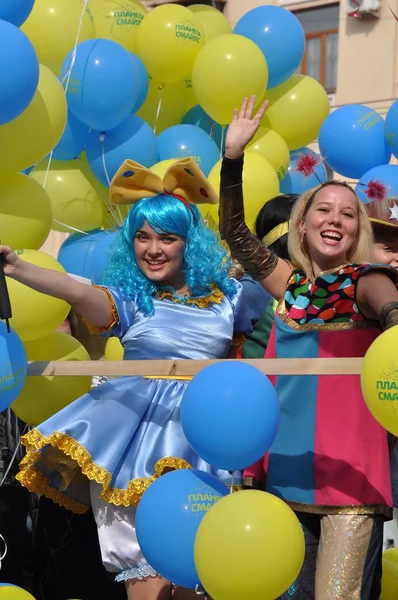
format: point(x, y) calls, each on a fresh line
point(330, 455)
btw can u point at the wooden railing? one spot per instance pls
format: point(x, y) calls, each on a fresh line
point(189, 368)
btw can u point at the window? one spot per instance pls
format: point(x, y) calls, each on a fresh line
point(321, 27)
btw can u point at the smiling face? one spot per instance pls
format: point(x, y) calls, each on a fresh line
point(160, 257)
point(331, 226)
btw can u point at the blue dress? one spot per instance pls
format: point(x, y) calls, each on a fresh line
point(125, 433)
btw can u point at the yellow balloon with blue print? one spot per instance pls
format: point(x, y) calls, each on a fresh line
point(168, 41)
point(379, 379)
point(117, 20)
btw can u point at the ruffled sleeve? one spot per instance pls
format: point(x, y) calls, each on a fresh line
point(242, 320)
point(123, 313)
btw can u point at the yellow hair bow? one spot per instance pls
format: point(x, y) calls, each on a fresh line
point(183, 179)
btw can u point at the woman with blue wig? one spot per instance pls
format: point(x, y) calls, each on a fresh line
point(167, 295)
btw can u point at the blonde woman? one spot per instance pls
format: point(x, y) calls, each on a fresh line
point(330, 459)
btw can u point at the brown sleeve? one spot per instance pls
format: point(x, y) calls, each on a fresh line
point(256, 259)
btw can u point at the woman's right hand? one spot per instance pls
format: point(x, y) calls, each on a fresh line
point(243, 127)
point(11, 261)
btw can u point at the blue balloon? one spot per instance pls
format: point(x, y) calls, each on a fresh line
point(132, 139)
point(16, 11)
point(391, 128)
point(73, 140)
point(143, 82)
point(182, 141)
point(13, 366)
point(104, 83)
point(77, 253)
point(197, 116)
point(386, 175)
point(230, 415)
point(280, 37)
point(295, 182)
point(19, 72)
point(351, 140)
point(168, 517)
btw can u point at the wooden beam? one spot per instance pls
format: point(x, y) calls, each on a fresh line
point(189, 368)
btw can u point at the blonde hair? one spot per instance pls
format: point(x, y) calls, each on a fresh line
point(361, 250)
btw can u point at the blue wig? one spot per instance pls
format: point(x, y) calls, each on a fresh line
point(205, 261)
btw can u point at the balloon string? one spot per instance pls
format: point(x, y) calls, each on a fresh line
point(67, 77)
point(161, 90)
point(110, 208)
point(2, 557)
point(73, 55)
point(232, 482)
point(70, 227)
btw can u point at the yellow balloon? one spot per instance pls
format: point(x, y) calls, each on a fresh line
point(389, 581)
point(271, 146)
point(77, 197)
point(14, 593)
point(35, 315)
point(114, 349)
point(52, 27)
point(168, 42)
point(31, 136)
point(165, 105)
point(226, 70)
point(191, 99)
point(379, 379)
point(42, 397)
point(212, 21)
point(249, 546)
point(117, 20)
point(260, 184)
point(392, 555)
point(25, 212)
point(297, 109)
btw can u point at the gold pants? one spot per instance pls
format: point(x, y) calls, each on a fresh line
point(343, 558)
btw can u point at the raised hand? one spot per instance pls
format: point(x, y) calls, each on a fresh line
point(10, 260)
point(243, 127)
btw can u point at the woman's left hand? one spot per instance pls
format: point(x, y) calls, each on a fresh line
point(243, 127)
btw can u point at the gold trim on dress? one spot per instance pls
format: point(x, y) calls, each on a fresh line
point(39, 483)
point(347, 509)
point(216, 297)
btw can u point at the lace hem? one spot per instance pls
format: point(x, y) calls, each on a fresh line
point(39, 483)
point(141, 572)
